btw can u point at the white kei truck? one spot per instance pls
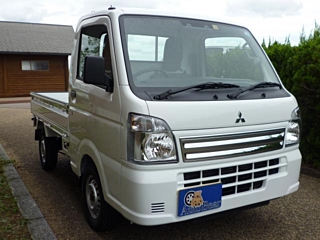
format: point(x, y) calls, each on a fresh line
point(169, 118)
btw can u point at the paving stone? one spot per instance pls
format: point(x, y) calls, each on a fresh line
point(28, 207)
point(10, 172)
point(18, 188)
point(39, 230)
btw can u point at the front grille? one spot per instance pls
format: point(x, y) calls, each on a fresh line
point(233, 145)
point(237, 178)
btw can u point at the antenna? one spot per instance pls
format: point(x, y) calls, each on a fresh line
point(111, 7)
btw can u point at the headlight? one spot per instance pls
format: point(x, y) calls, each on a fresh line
point(294, 128)
point(150, 140)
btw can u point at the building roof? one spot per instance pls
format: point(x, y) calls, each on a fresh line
point(34, 38)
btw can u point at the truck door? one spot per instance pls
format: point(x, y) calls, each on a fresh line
point(94, 113)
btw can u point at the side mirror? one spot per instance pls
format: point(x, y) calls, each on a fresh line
point(94, 73)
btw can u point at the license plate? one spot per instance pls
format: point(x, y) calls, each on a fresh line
point(199, 199)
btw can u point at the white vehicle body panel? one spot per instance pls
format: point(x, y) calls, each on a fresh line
point(208, 115)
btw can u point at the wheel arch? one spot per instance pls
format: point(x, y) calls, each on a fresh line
point(100, 215)
point(41, 127)
point(91, 155)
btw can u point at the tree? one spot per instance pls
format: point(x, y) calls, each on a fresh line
point(299, 69)
point(306, 86)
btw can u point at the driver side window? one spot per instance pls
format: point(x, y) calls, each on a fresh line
point(94, 41)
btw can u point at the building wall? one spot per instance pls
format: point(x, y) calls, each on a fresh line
point(15, 82)
point(1, 77)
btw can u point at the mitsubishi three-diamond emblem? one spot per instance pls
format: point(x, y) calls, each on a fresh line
point(240, 118)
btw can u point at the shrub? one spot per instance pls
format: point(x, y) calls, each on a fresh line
point(299, 69)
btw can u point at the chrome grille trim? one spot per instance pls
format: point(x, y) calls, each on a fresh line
point(232, 145)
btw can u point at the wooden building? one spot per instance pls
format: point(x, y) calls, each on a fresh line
point(34, 57)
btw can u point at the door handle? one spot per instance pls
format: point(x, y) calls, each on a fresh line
point(73, 94)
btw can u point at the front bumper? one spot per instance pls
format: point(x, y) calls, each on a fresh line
point(150, 196)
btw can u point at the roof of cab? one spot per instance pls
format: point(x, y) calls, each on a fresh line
point(116, 12)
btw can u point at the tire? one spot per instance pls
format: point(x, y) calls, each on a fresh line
point(99, 214)
point(48, 152)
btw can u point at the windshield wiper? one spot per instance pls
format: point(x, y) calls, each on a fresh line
point(208, 85)
point(236, 93)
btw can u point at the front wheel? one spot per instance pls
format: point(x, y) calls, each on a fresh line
point(48, 152)
point(99, 214)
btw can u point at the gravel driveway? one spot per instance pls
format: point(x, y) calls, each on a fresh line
point(57, 194)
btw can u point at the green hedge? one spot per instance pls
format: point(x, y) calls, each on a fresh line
point(299, 70)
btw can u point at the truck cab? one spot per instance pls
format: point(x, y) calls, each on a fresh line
point(173, 117)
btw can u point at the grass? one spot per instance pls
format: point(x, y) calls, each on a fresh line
point(12, 224)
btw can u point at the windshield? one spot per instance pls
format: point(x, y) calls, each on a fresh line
point(165, 53)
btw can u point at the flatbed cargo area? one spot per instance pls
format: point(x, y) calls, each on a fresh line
point(61, 97)
point(52, 109)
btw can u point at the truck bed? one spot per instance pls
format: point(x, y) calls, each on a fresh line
point(52, 110)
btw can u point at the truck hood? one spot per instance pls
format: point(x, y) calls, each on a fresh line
point(220, 114)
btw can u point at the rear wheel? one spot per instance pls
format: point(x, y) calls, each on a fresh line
point(48, 152)
point(99, 214)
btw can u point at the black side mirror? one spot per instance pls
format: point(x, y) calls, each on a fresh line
point(94, 73)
